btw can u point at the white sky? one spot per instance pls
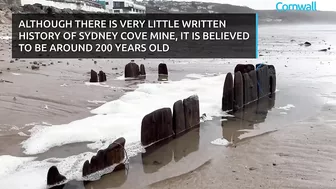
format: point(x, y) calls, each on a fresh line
point(323, 5)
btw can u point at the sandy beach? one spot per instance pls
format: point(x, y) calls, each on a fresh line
point(284, 142)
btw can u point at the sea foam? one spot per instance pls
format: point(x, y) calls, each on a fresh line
point(119, 118)
point(122, 117)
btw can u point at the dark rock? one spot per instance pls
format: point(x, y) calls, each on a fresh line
point(238, 94)
point(244, 68)
point(35, 67)
point(227, 98)
point(157, 126)
point(115, 152)
point(252, 168)
point(8, 69)
point(95, 62)
point(54, 177)
point(94, 77)
point(35, 63)
point(49, 10)
point(38, 5)
point(328, 48)
point(142, 70)
point(254, 89)
point(248, 85)
point(12, 61)
point(102, 76)
point(191, 112)
point(307, 44)
point(323, 50)
point(132, 70)
point(32, 9)
point(179, 124)
point(114, 68)
point(163, 70)
point(203, 117)
point(86, 168)
point(272, 78)
point(44, 64)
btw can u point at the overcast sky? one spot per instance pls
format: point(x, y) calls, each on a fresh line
point(323, 5)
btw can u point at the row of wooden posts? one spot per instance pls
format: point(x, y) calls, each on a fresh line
point(132, 70)
point(249, 84)
point(157, 126)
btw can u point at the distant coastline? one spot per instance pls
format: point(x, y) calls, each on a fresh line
point(265, 16)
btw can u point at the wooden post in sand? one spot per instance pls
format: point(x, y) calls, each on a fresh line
point(227, 98)
point(238, 94)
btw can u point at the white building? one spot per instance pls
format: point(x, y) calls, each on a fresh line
point(124, 6)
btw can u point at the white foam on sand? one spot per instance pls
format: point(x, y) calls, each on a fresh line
point(220, 142)
point(96, 84)
point(287, 107)
point(122, 77)
point(12, 163)
point(22, 134)
point(119, 118)
point(20, 172)
point(96, 101)
point(194, 76)
point(122, 117)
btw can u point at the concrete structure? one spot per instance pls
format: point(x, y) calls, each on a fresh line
point(124, 6)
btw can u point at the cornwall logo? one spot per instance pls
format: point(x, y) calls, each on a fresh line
point(280, 6)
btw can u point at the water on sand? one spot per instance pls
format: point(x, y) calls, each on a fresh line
point(304, 79)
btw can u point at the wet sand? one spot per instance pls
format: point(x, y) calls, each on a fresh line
point(295, 157)
point(272, 147)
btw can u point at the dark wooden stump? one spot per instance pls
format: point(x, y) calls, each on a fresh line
point(227, 98)
point(132, 70)
point(54, 177)
point(238, 95)
point(191, 112)
point(163, 70)
point(244, 68)
point(179, 124)
point(94, 77)
point(157, 126)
